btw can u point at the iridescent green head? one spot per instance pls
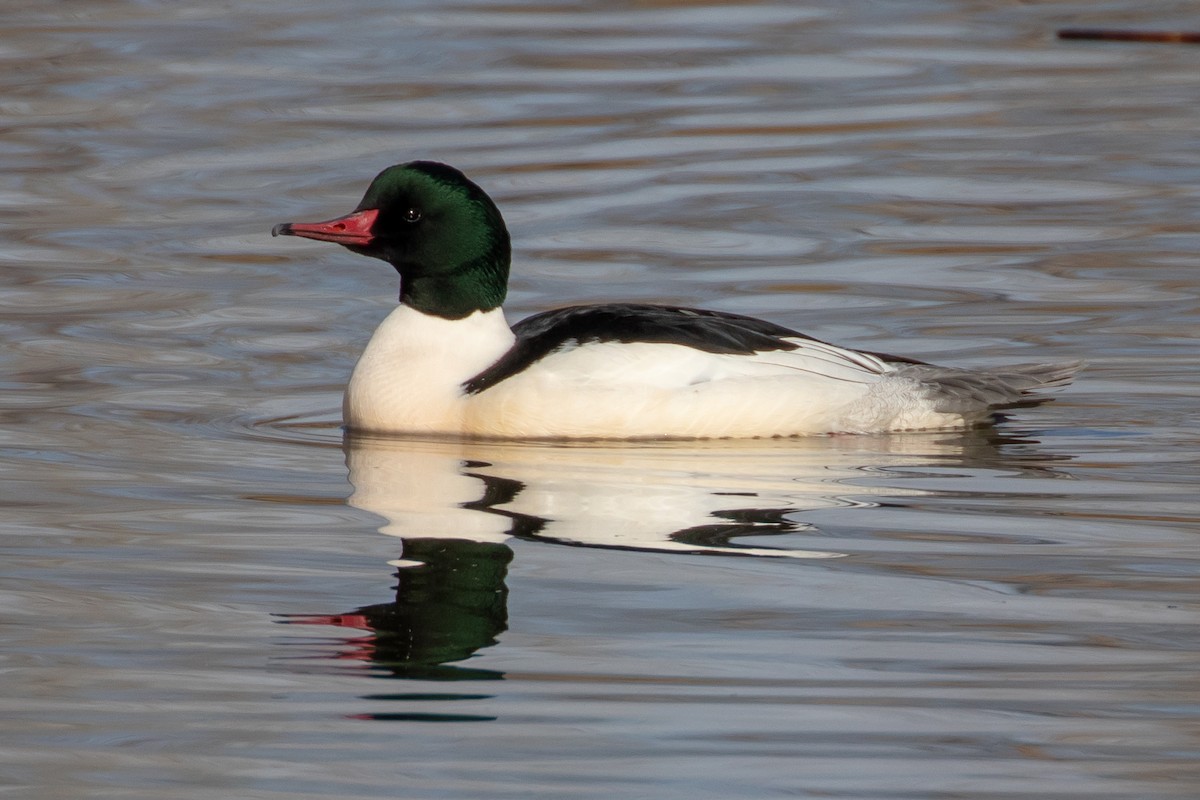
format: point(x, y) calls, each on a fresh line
point(440, 231)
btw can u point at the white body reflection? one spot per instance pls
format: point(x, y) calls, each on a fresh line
point(694, 497)
point(454, 504)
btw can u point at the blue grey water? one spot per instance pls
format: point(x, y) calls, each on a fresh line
point(208, 594)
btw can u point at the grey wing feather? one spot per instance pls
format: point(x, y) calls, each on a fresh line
point(965, 391)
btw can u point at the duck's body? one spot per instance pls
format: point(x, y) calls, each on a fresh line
point(446, 361)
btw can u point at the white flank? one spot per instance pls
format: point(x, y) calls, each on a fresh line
point(648, 390)
point(409, 380)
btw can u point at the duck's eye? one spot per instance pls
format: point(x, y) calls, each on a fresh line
point(412, 215)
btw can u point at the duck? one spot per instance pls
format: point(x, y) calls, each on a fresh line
point(446, 362)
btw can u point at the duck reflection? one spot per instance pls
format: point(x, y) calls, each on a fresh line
point(451, 600)
point(455, 504)
point(692, 499)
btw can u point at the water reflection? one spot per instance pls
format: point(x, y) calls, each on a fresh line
point(451, 601)
point(455, 504)
point(693, 498)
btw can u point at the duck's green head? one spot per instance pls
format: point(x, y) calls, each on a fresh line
point(440, 231)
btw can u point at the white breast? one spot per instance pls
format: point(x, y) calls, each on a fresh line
point(409, 378)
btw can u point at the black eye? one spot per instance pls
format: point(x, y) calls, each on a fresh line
point(412, 215)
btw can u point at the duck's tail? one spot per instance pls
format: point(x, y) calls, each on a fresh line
point(972, 392)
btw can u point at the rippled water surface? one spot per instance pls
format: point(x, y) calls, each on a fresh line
point(209, 594)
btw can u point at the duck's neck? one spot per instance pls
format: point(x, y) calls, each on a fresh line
point(475, 284)
point(448, 298)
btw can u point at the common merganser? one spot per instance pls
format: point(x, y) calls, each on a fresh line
point(446, 361)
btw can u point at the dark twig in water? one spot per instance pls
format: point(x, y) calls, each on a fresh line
point(1112, 35)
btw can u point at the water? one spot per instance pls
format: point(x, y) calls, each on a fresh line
point(200, 589)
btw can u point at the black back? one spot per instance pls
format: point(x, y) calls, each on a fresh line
point(711, 331)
